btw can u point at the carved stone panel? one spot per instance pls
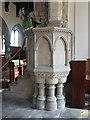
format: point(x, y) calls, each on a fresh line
point(59, 52)
point(43, 53)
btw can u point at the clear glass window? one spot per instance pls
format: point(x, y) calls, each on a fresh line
point(14, 38)
point(3, 44)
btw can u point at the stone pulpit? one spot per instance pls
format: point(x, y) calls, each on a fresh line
point(49, 52)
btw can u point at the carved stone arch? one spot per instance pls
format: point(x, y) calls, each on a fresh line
point(5, 32)
point(20, 29)
point(65, 47)
point(48, 40)
point(21, 33)
point(43, 52)
point(5, 29)
point(62, 49)
point(63, 40)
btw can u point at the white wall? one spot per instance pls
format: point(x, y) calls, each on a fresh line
point(0, 28)
point(81, 30)
point(80, 20)
point(10, 16)
point(89, 29)
point(0, 65)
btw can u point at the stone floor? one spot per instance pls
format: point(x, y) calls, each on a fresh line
point(13, 107)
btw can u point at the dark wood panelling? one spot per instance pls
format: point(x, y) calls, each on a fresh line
point(78, 84)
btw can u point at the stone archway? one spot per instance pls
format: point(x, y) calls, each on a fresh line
point(6, 34)
point(17, 29)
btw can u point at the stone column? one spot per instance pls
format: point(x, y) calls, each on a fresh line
point(71, 23)
point(71, 15)
point(41, 96)
point(30, 50)
point(65, 13)
point(41, 93)
point(51, 99)
point(35, 94)
point(60, 96)
point(55, 13)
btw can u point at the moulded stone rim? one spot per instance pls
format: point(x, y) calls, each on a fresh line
point(51, 81)
point(53, 30)
point(39, 79)
point(48, 29)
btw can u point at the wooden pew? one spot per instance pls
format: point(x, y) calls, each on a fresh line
point(87, 83)
point(80, 83)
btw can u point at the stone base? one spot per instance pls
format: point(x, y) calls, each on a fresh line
point(51, 105)
point(41, 103)
point(34, 101)
point(60, 101)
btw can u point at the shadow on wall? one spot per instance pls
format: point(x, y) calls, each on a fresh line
point(68, 88)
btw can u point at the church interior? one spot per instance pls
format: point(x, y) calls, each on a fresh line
point(44, 60)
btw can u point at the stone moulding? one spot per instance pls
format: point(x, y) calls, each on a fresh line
point(51, 75)
point(48, 29)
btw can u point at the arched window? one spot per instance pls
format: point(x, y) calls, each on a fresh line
point(3, 44)
point(14, 38)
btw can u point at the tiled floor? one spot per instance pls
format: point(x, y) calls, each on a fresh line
point(21, 108)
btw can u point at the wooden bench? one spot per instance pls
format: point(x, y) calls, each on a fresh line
point(80, 85)
point(87, 82)
point(6, 84)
